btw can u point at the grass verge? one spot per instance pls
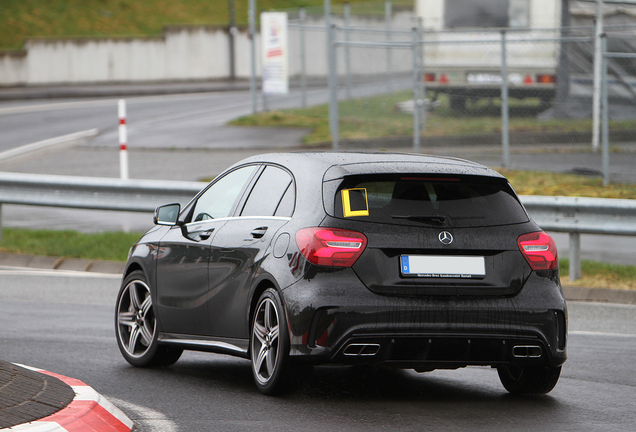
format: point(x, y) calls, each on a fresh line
point(551, 183)
point(103, 18)
point(377, 117)
point(600, 275)
point(111, 246)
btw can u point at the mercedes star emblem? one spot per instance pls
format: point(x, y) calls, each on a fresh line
point(445, 237)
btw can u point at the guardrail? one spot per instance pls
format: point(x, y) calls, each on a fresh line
point(575, 216)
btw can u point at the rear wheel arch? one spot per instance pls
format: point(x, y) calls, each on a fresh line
point(256, 295)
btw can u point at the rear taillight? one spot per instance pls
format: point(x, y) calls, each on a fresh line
point(330, 246)
point(546, 78)
point(539, 250)
point(429, 77)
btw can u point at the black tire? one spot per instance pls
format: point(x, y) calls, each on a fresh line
point(269, 345)
point(528, 380)
point(136, 325)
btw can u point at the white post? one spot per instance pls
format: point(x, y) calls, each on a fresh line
point(123, 140)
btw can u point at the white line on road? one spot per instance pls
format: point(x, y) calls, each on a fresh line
point(54, 106)
point(48, 143)
point(23, 271)
point(591, 333)
point(148, 419)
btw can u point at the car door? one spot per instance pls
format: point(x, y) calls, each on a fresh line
point(240, 247)
point(182, 265)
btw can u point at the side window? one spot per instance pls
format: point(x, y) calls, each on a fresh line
point(287, 204)
point(268, 192)
point(220, 198)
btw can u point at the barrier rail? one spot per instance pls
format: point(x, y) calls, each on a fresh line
point(578, 216)
point(560, 214)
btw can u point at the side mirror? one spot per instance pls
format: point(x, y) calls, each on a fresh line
point(167, 214)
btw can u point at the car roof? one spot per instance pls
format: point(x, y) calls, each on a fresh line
point(335, 164)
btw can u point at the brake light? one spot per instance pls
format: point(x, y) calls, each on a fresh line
point(429, 77)
point(330, 246)
point(539, 250)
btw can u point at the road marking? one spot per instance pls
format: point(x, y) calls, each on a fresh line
point(5, 270)
point(109, 102)
point(591, 333)
point(148, 419)
point(48, 143)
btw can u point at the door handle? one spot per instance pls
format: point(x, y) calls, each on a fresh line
point(259, 232)
point(206, 234)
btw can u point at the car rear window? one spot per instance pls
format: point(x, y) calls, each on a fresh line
point(439, 201)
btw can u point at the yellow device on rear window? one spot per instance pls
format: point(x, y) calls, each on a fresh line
point(354, 202)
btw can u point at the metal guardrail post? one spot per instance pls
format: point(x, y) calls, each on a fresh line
point(505, 143)
point(575, 256)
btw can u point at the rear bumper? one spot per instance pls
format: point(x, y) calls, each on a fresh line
point(334, 318)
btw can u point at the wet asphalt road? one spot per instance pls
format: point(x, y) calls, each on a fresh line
point(64, 323)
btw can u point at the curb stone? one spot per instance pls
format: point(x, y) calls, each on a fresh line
point(54, 263)
point(572, 293)
point(86, 410)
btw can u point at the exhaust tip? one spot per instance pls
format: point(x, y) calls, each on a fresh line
point(361, 349)
point(526, 351)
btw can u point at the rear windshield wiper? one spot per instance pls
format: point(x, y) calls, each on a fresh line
point(432, 219)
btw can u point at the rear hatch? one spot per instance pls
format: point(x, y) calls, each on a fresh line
point(434, 234)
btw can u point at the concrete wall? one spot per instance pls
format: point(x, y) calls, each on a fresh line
point(183, 53)
point(186, 53)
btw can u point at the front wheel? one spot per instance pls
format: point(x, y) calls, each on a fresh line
point(529, 380)
point(136, 325)
point(269, 344)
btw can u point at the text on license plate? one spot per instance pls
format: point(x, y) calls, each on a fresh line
point(438, 266)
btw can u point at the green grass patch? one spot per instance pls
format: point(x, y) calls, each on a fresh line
point(21, 19)
point(111, 246)
point(600, 275)
point(377, 117)
point(550, 183)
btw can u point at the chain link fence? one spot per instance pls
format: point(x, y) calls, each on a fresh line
point(397, 83)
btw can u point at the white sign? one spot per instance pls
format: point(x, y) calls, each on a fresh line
point(275, 55)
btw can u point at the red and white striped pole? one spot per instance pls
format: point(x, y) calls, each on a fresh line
point(123, 140)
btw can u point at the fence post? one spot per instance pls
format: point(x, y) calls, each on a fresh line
point(416, 96)
point(422, 80)
point(333, 79)
point(303, 70)
point(388, 13)
point(596, 101)
point(605, 112)
point(251, 16)
point(347, 23)
point(575, 256)
point(505, 144)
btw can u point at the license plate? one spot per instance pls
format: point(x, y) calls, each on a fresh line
point(439, 266)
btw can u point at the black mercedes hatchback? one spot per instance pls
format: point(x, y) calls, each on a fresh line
point(296, 259)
